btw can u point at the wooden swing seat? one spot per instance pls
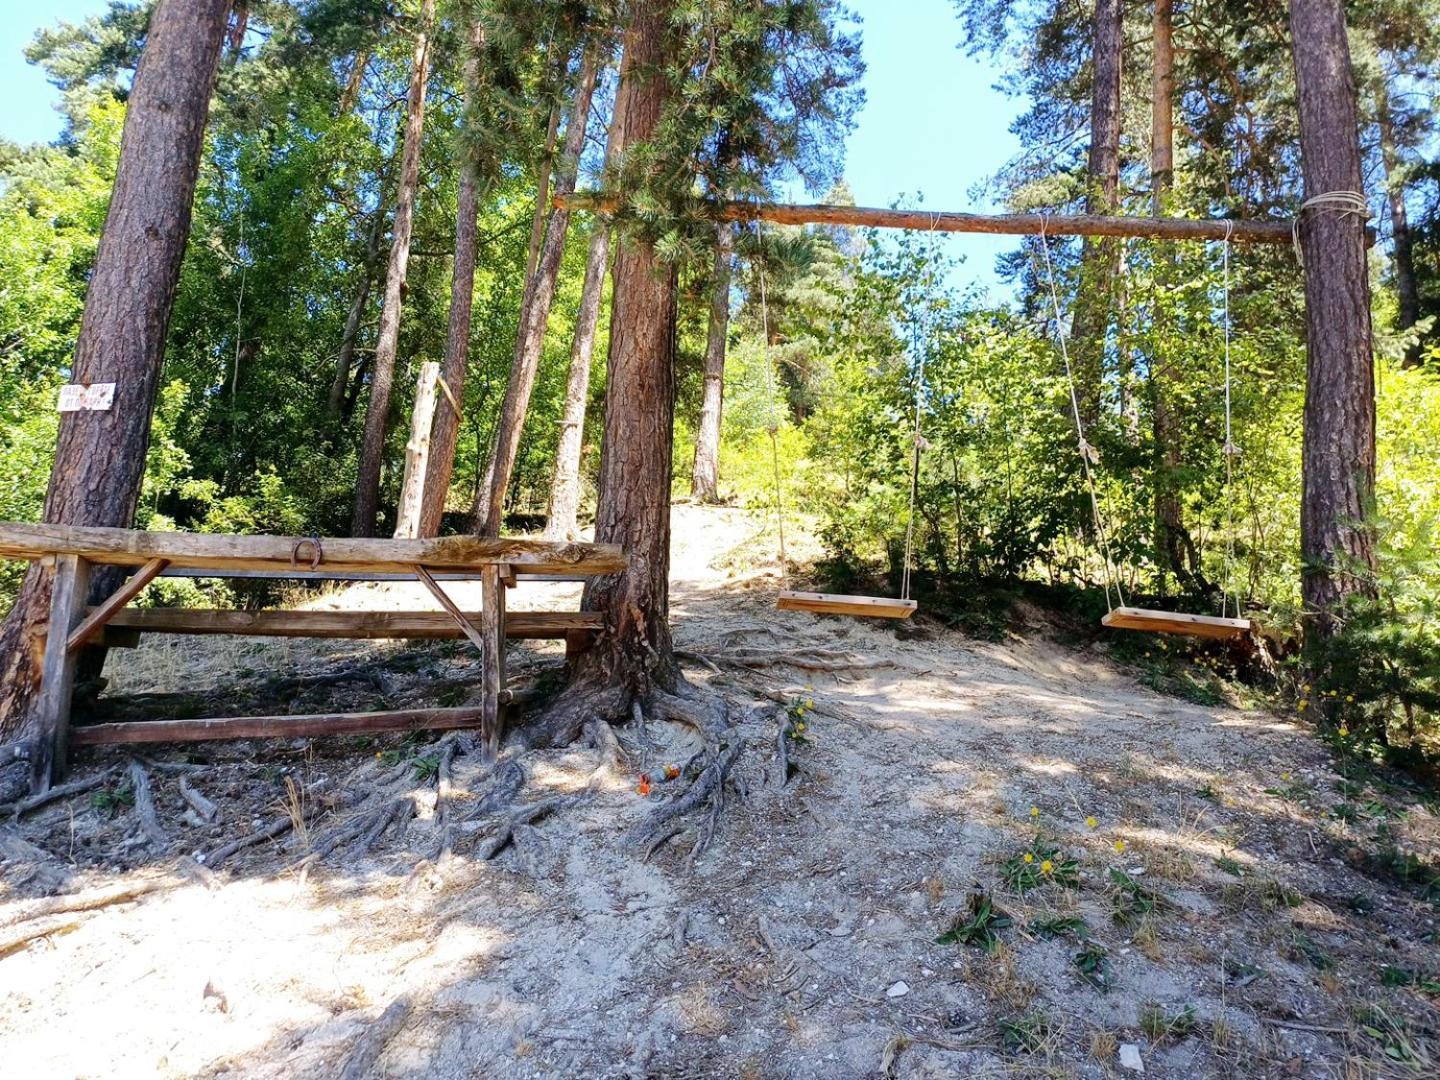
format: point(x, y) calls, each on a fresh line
point(874, 607)
point(1172, 622)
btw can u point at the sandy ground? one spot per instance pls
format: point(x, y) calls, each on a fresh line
point(1257, 926)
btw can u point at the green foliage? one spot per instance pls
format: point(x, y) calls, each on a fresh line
point(1042, 863)
point(978, 926)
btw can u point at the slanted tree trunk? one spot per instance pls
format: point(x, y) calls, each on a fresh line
point(1099, 256)
point(387, 342)
point(1336, 535)
point(542, 197)
point(1407, 292)
point(1174, 550)
point(350, 338)
point(561, 519)
point(100, 456)
point(705, 474)
point(462, 305)
point(541, 294)
point(636, 654)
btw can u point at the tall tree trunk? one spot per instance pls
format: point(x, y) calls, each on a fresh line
point(705, 475)
point(1403, 254)
point(542, 197)
point(1174, 551)
point(100, 456)
point(1099, 256)
point(633, 508)
point(1336, 538)
point(387, 342)
point(350, 338)
point(561, 519)
point(462, 305)
point(531, 339)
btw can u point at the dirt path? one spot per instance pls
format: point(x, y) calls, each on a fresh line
point(1207, 891)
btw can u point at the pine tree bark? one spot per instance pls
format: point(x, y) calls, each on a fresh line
point(633, 508)
point(1403, 254)
point(562, 516)
point(1174, 550)
point(446, 433)
point(1099, 256)
point(705, 473)
point(100, 456)
point(1336, 535)
point(531, 339)
point(350, 337)
point(387, 342)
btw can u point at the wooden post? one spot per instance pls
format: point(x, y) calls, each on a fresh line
point(417, 454)
point(492, 661)
point(51, 714)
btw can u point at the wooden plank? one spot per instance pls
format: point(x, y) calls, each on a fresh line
point(1256, 232)
point(50, 713)
point(277, 727)
point(323, 575)
point(360, 625)
point(95, 621)
point(492, 662)
point(874, 607)
point(1174, 622)
point(466, 626)
point(213, 551)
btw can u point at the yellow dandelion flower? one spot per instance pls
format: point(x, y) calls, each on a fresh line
point(1034, 811)
point(809, 703)
point(1304, 704)
point(1029, 858)
point(1046, 866)
point(1344, 731)
point(1091, 822)
point(1350, 699)
point(1119, 845)
point(1284, 776)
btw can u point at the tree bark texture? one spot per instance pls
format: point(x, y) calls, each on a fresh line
point(350, 338)
point(1403, 253)
point(387, 342)
point(705, 474)
point(1336, 537)
point(446, 434)
point(100, 456)
point(1099, 258)
point(530, 341)
point(633, 507)
point(417, 453)
point(562, 516)
point(1174, 550)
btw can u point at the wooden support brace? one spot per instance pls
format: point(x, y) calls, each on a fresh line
point(51, 713)
point(492, 673)
point(476, 637)
point(98, 617)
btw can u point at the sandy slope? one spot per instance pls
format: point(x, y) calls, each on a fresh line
point(780, 952)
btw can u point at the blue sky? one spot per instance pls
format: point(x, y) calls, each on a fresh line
point(933, 124)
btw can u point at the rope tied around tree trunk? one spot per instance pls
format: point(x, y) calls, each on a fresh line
point(1341, 203)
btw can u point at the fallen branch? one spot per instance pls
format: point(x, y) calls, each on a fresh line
point(64, 791)
point(11, 943)
point(145, 806)
point(782, 749)
point(371, 1045)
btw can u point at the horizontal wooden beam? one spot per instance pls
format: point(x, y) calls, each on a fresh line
point(321, 575)
point(416, 625)
point(1251, 232)
point(213, 551)
point(281, 727)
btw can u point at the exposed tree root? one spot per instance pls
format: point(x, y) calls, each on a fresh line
point(654, 831)
point(561, 723)
point(206, 810)
point(64, 791)
point(279, 827)
point(782, 749)
point(497, 841)
point(822, 660)
point(89, 900)
point(145, 806)
point(396, 812)
point(371, 1045)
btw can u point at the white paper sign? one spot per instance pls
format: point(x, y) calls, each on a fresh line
point(97, 397)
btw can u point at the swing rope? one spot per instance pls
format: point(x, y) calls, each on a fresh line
point(774, 401)
point(1231, 451)
point(1088, 454)
point(918, 443)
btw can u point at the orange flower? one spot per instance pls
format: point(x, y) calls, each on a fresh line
point(672, 771)
point(644, 786)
